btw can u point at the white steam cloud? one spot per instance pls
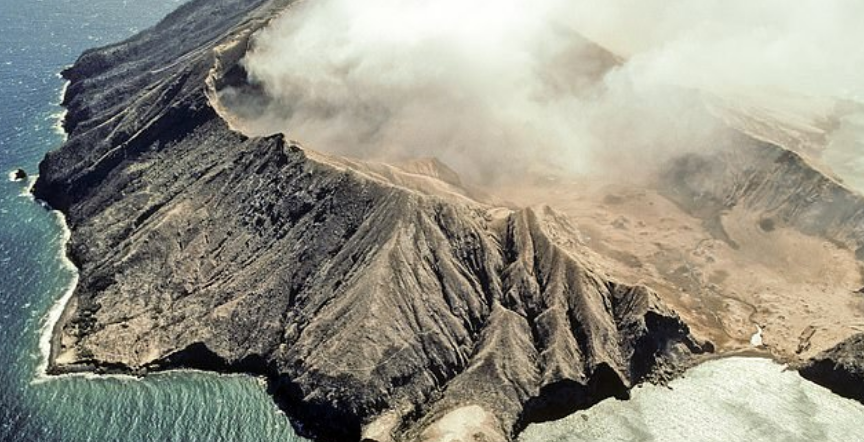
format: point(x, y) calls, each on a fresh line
point(804, 47)
point(495, 87)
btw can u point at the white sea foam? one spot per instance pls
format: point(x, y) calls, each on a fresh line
point(27, 191)
point(56, 312)
point(61, 116)
point(57, 309)
point(42, 377)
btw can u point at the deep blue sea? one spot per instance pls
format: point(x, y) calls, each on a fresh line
point(724, 400)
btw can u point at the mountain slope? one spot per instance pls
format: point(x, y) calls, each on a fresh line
point(375, 307)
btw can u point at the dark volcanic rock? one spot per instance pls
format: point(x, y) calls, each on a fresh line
point(840, 369)
point(18, 175)
point(376, 310)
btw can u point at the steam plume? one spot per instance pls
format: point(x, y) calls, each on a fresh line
point(506, 86)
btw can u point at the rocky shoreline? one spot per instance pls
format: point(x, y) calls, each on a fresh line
point(407, 310)
point(374, 301)
point(840, 369)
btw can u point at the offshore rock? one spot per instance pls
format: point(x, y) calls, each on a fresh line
point(381, 302)
point(18, 175)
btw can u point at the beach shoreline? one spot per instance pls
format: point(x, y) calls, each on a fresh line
point(49, 338)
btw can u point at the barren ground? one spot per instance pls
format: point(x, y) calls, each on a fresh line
point(723, 279)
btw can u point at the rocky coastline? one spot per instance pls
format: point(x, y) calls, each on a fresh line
point(380, 307)
point(377, 307)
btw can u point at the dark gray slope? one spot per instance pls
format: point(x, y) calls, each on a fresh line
point(840, 369)
point(372, 308)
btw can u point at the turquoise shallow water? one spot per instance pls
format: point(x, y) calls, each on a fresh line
point(37, 39)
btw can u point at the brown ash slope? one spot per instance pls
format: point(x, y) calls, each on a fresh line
point(376, 310)
point(778, 184)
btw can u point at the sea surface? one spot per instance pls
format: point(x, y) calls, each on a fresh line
point(729, 399)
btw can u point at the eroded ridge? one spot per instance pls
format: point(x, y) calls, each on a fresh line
point(366, 299)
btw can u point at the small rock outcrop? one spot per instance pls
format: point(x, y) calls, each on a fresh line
point(18, 175)
point(840, 369)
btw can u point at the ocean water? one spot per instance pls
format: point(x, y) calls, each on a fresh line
point(731, 399)
point(37, 39)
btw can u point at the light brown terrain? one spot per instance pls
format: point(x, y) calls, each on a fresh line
point(746, 273)
point(727, 274)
